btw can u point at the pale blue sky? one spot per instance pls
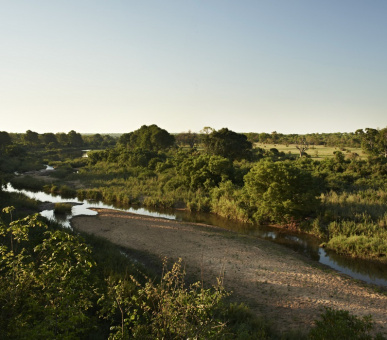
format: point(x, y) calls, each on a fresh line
point(294, 66)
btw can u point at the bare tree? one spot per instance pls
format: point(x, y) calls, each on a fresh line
point(302, 145)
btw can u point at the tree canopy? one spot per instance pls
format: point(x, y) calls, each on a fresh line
point(280, 191)
point(374, 141)
point(150, 138)
point(227, 143)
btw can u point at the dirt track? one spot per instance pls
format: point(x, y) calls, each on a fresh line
point(275, 281)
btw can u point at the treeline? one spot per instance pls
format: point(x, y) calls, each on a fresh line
point(23, 152)
point(51, 140)
point(347, 139)
point(367, 139)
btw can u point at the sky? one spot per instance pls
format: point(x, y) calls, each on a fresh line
point(291, 66)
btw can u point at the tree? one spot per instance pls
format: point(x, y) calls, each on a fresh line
point(228, 144)
point(280, 192)
point(5, 139)
point(382, 142)
point(374, 141)
point(75, 139)
point(31, 138)
point(150, 138)
point(302, 146)
point(187, 138)
point(49, 139)
point(204, 171)
point(62, 139)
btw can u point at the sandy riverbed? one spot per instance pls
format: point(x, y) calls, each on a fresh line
point(275, 281)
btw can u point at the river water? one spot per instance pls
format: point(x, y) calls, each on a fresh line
point(370, 272)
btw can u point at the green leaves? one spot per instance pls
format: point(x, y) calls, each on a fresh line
point(168, 310)
point(340, 324)
point(280, 192)
point(228, 144)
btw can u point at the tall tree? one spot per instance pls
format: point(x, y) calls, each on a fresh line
point(227, 143)
point(302, 145)
point(31, 138)
point(75, 139)
point(150, 138)
point(5, 139)
point(49, 138)
point(374, 141)
point(187, 138)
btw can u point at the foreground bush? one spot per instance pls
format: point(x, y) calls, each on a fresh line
point(168, 310)
point(340, 324)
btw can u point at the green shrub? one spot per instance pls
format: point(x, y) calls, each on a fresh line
point(27, 182)
point(67, 192)
point(62, 208)
point(341, 325)
point(168, 310)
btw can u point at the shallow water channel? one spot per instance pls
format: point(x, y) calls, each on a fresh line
point(370, 272)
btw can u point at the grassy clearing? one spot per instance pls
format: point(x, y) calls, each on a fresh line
point(317, 152)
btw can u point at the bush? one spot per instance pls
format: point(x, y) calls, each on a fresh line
point(340, 324)
point(62, 208)
point(168, 310)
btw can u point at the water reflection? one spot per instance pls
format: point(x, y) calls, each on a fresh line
point(367, 271)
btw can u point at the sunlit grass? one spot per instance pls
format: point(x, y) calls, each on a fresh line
point(317, 152)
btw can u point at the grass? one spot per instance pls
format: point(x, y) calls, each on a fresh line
point(317, 152)
point(63, 208)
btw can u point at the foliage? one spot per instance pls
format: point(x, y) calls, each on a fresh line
point(167, 310)
point(351, 207)
point(54, 286)
point(374, 141)
point(48, 287)
point(228, 144)
point(5, 139)
point(280, 192)
point(340, 324)
point(203, 171)
point(227, 201)
point(150, 138)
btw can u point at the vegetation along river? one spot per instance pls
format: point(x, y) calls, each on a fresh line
point(370, 272)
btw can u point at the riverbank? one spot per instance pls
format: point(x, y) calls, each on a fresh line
point(276, 282)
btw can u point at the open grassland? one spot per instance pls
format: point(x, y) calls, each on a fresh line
point(317, 152)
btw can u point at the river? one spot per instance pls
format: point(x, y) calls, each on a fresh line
point(370, 272)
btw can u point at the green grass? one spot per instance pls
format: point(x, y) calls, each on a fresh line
point(63, 208)
point(317, 152)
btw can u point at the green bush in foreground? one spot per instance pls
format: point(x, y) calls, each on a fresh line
point(340, 324)
point(168, 310)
